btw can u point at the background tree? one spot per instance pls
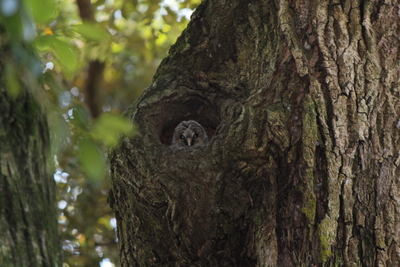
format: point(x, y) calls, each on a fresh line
point(301, 99)
point(129, 38)
point(28, 214)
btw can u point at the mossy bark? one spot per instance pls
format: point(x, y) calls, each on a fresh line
point(301, 101)
point(28, 214)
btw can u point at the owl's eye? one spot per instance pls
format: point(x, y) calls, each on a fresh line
point(195, 135)
point(182, 136)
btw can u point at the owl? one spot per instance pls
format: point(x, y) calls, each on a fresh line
point(189, 134)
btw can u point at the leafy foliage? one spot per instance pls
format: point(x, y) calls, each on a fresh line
point(131, 37)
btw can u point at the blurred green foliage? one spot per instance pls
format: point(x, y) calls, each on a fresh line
point(131, 37)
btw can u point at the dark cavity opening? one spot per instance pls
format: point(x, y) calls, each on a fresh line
point(198, 109)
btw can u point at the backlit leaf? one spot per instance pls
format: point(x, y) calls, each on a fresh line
point(43, 11)
point(92, 160)
point(108, 128)
point(92, 31)
point(65, 53)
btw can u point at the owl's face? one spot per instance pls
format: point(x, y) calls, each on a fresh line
point(189, 134)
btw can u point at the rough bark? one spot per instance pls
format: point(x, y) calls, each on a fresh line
point(28, 214)
point(301, 99)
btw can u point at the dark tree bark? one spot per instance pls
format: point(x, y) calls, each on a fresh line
point(28, 213)
point(94, 95)
point(301, 101)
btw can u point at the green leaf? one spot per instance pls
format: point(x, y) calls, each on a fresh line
point(92, 31)
point(91, 159)
point(65, 53)
point(59, 131)
point(109, 128)
point(81, 116)
point(161, 39)
point(13, 26)
point(43, 11)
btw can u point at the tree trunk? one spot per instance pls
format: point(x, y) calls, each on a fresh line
point(301, 101)
point(28, 214)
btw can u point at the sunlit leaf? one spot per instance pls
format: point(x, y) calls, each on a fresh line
point(162, 38)
point(115, 48)
point(109, 128)
point(92, 31)
point(100, 51)
point(105, 221)
point(91, 158)
point(166, 28)
point(43, 11)
point(65, 53)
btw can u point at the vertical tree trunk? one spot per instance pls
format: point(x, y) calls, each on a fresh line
point(94, 95)
point(301, 101)
point(28, 214)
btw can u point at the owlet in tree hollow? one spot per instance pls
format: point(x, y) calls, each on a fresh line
point(189, 134)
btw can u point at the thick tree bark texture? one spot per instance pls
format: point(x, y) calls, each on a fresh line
point(303, 166)
point(28, 214)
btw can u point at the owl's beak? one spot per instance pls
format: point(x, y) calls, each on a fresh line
point(189, 141)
